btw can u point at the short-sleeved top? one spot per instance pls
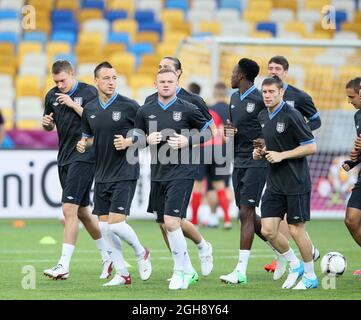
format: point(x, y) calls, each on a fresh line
point(301, 101)
point(1, 119)
point(178, 116)
point(285, 129)
point(222, 109)
point(357, 118)
point(68, 122)
point(244, 109)
point(102, 121)
point(187, 96)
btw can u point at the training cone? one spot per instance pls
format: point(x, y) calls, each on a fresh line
point(127, 264)
point(47, 240)
point(19, 224)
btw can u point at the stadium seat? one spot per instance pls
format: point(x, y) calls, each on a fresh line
point(151, 26)
point(177, 4)
point(35, 36)
point(93, 4)
point(90, 37)
point(267, 26)
point(140, 48)
point(155, 5)
point(65, 36)
point(67, 5)
point(177, 27)
point(88, 14)
point(135, 83)
point(96, 25)
point(148, 36)
point(296, 26)
point(287, 4)
point(226, 15)
point(124, 63)
point(41, 5)
point(112, 15)
point(110, 49)
point(10, 25)
point(12, 4)
point(260, 5)
point(210, 5)
point(255, 16)
point(28, 86)
point(144, 16)
point(196, 16)
point(306, 15)
point(9, 14)
point(35, 59)
point(119, 37)
point(315, 4)
point(127, 5)
point(125, 25)
point(63, 16)
point(212, 27)
point(57, 47)
point(29, 47)
point(6, 48)
point(282, 15)
point(9, 37)
point(237, 28)
point(86, 69)
point(29, 108)
point(33, 70)
point(172, 15)
point(62, 56)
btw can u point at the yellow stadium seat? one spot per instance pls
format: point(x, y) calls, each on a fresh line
point(210, 26)
point(49, 83)
point(43, 25)
point(255, 15)
point(110, 49)
point(67, 5)
point(260, 5)
point(86, 49)
point(6, 48)
point(87, 14)
point(124, 63)
point(87, 79)
point(174, 37)
point(147, 36)
point(357, 16)
point(90, 38)
point(10, 70)
point(27, 86)
point(90, 58)
point(166, 49)
point(352, 26)
point(149, 64)
point(316, 4)
point(261, 34)
point(317, 28)
point(126, 25)
point(295, 26)
point(172, 15)
point(127, 5)
point(57, 47)
point(286, 4)
point(28, 124)
point(349, 71)
point(41, 5)
point(29, 47)
point(139, 81)
point(318, 35)
point(178, 27)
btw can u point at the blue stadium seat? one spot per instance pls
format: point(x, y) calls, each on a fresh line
point(8, 14)
point(177, 4)
point(93, 4)
point(140, 48)
point(151, 26)
point(38, 36)
point(115, 14)
point(58, 16)
point(231, 4)
point(9, 37)
point(144, 16)
point(341, 17)
point(66, 36)
point(119, 37)
point(66, 26)
point(267, 26)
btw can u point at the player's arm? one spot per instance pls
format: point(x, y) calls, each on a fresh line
point(140, 136)
point(48, 120)
point(2, 129)
point(201, 104)
point(310, 112)
point(87, 139)
point(349, 164)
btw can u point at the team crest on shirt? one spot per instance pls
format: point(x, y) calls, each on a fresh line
point(116, 115)
point(291, 103)
point(250, 107)
point(280, 127)
point(177, 115)
point(78, 101)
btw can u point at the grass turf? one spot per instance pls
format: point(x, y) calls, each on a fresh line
point(20, 247)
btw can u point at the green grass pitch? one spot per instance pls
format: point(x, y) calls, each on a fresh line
point(20, 247)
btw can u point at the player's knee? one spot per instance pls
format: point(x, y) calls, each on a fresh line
point(269, 233)
point(246, 214)
point(70, 211)
point(296, 230)
point(351, 222)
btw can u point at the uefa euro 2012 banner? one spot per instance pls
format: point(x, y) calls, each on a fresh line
point(30, 188)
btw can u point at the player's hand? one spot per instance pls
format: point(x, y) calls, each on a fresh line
point(274, 156)
point(357, 143)
point(154, 138)
point(65, 99)
point(48, 120)
point(229, 130)
point(346, 167)
point(258, 153)
point(258, 143)
point(354, 154)
point(178, 141)
point(121, 143)
point(82, 145)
